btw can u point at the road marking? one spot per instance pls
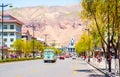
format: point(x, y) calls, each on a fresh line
point(18, 76)
point(34, 70)
point(75, 68)
point(74, 72)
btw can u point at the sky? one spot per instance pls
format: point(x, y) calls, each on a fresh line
point(28, 3)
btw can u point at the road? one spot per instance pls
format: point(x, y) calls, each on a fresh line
point(37, 68)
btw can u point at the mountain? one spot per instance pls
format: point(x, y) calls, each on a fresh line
point(60, 23)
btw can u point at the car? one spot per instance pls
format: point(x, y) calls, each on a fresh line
point(67, 55)
point(62, 57)
point(38, 56)
point(49, 55)
point(74, 56)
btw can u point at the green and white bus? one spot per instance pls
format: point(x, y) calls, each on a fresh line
point(49, 55)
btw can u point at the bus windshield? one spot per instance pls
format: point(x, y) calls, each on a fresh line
point(48, 52)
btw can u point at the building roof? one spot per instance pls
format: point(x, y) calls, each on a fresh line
point(25, 31)
point(10, 19)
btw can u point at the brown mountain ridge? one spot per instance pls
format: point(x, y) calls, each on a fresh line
point(61, 23)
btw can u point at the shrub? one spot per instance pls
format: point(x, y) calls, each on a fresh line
point(17, 59)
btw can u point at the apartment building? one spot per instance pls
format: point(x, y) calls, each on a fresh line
point(11, 30)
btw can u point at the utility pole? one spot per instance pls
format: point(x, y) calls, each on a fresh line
point(45, 43)
point(33, 27)
point(54, 43)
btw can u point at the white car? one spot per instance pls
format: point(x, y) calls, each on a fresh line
point(74, 57)
point(37, 56)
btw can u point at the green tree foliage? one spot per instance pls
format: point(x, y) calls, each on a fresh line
point(27, 46)
point(37, 45)
point(106, 15)
point(85, 43)
point(19, 44)
point(57, 51)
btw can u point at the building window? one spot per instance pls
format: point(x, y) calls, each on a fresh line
point(4, 26)
point(5, 39)
point(18, 28)
point(6, 17)
point(11, 26)
point(11, 39)
point(5, 33)
point(12, 34)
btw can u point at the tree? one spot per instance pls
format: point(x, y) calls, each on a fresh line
point(26, 48)
point(84, 43)
point(57, 51)
point(105, 13)
point(19, 46)
point(38, 46)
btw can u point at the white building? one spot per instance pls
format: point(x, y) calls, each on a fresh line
point(11, 30)
point(71, 46)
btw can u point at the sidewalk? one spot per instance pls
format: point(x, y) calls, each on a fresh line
point(103, 66)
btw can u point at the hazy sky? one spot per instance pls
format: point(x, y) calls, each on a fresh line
point(27, 3)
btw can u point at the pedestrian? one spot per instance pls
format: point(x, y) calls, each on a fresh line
point(99, 59)
point(84, 57)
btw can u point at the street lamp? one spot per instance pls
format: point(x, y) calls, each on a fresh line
point(3, 5)
point(88, 45)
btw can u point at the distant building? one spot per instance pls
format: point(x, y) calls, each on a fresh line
point(40, 40)
point(26, 35)
point(71, 46)
point(11, 30)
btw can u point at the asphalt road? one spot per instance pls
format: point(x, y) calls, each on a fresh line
point(37, 68)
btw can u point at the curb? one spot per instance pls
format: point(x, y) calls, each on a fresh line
point(107, 74)
point(102, 71)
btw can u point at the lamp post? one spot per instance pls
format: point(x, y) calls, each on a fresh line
point(3, 5)
point(88, 45)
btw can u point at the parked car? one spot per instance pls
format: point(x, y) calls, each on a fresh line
point(37, 56)
point(62, 57)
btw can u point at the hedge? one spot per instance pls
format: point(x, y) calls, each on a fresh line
point(17, 59)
